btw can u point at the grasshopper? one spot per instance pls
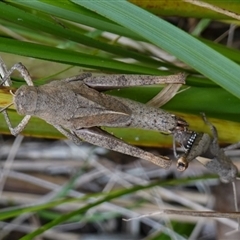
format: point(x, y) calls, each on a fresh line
point(77, 110)
point(199, 145)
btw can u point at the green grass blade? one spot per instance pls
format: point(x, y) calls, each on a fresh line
point(69, 11)
point(29, 20)
point(108, 197)
point(175, 41)
point(71, 57)
point(6, 214)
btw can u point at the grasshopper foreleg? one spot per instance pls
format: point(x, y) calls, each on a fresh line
point(19, 128)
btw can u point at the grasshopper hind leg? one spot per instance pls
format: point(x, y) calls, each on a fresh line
point(103, 139)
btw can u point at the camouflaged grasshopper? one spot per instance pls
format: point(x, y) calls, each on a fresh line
point(200, 145)
point(78, 110)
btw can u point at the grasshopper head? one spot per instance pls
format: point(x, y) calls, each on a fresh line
point(25, 100)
